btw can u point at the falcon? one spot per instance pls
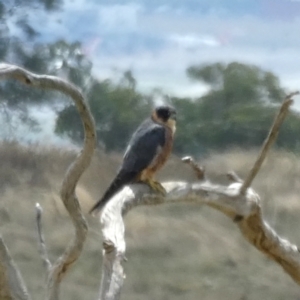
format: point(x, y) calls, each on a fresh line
point(146, 153)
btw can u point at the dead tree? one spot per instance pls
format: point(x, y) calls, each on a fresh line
point(238, 201)
point(11, 283)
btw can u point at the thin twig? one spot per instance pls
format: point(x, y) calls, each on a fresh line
point(268, 141)
point(200, 172)
point(14, 286)
point(244, 210)
point(41, 240)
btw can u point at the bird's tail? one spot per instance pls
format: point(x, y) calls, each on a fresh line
point(115, 186)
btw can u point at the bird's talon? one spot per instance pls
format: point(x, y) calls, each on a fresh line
point(156, 186)
point(159, 188)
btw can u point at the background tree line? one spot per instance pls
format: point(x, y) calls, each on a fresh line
point(237, 110)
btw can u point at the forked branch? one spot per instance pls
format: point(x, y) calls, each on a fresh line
point(238, 201)
point(12, 285)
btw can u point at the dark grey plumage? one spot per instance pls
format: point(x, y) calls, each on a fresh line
point(141, 151)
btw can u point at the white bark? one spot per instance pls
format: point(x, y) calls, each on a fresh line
point(237, 201)
point(244, 210)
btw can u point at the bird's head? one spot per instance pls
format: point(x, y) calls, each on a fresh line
point(165, 115)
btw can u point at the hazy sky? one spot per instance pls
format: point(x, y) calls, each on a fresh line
point(158, 40)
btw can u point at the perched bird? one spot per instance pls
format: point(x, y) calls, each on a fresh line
point(146, 153)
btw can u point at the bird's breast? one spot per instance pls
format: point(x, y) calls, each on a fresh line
point(163, 152)
point(172, 125)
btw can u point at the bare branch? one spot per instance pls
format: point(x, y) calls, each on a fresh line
point(226, 199)
point(237, 201)
point(41, 239)
point(260, 234)
point(68, 196)
point(199, 171)
point(269, 141)
point(12, 285)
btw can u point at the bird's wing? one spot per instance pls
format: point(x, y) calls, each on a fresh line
point(142, 149)
point(144, 146)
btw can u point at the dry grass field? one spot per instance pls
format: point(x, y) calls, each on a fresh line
point(174, 252)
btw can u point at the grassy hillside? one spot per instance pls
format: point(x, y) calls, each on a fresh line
point(174, 252)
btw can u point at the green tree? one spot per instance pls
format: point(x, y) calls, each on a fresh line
point(117, 109)
point(237, 110)
point(238, 83)
point(18, 44)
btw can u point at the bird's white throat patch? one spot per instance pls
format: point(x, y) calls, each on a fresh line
point(172, 124)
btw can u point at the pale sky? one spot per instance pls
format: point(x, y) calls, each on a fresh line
point(158, 40)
